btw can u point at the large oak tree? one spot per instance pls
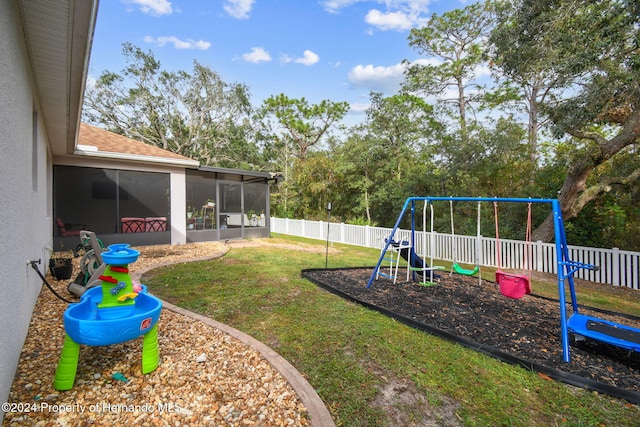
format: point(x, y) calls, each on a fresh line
point(591, 49)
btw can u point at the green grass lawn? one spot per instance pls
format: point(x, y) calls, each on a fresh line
point(368, 369)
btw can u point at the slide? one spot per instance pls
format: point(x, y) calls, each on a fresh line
point(414, 260)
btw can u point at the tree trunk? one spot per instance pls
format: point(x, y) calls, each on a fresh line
point(574, 194)
point(532, 130)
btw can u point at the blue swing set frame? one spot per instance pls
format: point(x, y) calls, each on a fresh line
point(580, 325)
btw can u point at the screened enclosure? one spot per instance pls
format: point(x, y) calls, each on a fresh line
point(135, 206)
point(226, 204)
point(110, 202)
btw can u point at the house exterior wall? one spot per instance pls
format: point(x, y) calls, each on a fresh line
point(25, 212)
point(178, 208)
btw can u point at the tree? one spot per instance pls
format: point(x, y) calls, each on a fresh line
point(456, 40)
point(592, 48)
point(195, 114)
point(314, 180)
point(529, 85)
point(356, 161)
point(300, 127)
point(304, 124)
point(382, 160)
point(401, 122)
point(526, 92)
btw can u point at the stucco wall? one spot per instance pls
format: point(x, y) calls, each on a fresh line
point(25, 220)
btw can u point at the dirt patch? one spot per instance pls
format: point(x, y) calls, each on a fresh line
point(405, 405)
point(526, 328)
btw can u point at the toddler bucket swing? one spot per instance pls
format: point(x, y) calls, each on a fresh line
point(457, 267)
point(513, 285)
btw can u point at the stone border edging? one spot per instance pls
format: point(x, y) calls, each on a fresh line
point(318, 413)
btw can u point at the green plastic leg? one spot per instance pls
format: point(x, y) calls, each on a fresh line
point(67, 365)
point(150, 351)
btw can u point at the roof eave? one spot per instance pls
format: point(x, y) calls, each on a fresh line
point(265, 175)
point(59, 37)
point(138, 158)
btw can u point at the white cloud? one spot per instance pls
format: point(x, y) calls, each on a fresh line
point(238, 8)
point(177, 43)
point(91, 81)
point(256, 55)
point(482, 71)
point(334, 6)
point(359, 107)
point(380, 78)
point(152, 7)
point(399, 15)
point(389, 21)
point(309, 58)
point(377, 78)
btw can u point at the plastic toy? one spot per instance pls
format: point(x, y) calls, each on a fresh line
point(110, 314)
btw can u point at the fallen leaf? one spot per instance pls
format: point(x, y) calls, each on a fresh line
point(545, 376)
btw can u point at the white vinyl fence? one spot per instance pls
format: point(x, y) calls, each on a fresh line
point(617, 267)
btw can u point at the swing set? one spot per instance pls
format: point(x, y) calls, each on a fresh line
point(517, 285)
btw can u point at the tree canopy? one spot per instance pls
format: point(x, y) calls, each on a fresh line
point(589, 52)
point(195, 113)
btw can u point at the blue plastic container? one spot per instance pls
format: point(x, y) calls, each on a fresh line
point(89, 325)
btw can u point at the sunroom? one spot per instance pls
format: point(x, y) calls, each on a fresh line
point(130, 192)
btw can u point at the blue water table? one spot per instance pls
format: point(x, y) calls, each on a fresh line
point(109, 314)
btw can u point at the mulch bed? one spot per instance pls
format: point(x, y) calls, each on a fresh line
point(524, 330)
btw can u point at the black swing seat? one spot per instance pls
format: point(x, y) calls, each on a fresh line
point(603, 330)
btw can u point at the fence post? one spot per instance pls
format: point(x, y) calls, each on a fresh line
point(539, 257)
point(367, 238)
point(615, 266)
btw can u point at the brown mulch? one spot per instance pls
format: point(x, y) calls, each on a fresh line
point(527, 328)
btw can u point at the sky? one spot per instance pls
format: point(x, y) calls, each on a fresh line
point(339, 50)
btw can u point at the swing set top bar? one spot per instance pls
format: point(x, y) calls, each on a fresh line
point(553, 202)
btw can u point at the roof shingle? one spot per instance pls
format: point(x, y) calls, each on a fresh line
point(110, 142)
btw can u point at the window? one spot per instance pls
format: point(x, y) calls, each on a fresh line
point(255, 203)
